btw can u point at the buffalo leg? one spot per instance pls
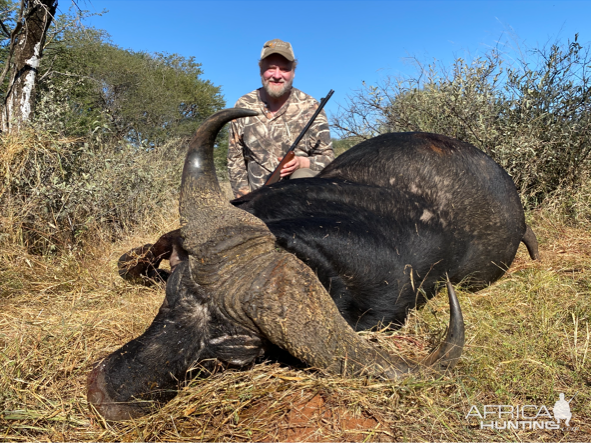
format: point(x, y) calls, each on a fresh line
point(140, 265)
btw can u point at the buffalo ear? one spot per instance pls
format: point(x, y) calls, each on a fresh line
point(140, 266)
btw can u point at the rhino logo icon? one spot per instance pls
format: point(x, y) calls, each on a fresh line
point(561, 410)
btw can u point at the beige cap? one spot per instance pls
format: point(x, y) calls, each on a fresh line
point(277, 46)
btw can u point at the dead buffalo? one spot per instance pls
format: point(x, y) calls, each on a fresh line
point(383, 224)
point(236, 294)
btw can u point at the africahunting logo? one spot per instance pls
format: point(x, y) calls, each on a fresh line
point(529, 417)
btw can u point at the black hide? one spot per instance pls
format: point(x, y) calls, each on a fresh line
point(384, 222)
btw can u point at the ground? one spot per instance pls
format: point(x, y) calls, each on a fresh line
point(527, 340)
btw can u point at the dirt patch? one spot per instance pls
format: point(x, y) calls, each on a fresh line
point(318, 419)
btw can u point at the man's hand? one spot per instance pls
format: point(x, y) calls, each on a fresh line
point(297, 163)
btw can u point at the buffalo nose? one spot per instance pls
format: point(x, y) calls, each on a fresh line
point(95, 393)
point(102, 402)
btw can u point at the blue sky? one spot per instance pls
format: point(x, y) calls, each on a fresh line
point(339, 44)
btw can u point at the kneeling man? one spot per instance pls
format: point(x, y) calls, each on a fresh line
point(258, 143)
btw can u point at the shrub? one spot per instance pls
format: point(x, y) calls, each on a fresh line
point(57, 192)
point(531, 116)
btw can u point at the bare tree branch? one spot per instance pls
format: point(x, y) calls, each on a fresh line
point(4, 29)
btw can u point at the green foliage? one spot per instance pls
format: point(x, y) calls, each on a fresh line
point(90, 86)
point(106, 146)
point(344, 144)
point(531, 116)
point(9, 17)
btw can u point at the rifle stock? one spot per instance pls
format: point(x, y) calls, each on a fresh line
point(276, 175)
point(289, 155)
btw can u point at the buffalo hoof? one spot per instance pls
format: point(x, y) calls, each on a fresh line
point(102, 402)
point(140, 266)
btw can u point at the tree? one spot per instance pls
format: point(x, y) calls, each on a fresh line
point(25, 49)
point(89, 85)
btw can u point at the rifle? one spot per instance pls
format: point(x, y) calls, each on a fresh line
point(289, 155)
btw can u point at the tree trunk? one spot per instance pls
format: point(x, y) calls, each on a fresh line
point(28, 45)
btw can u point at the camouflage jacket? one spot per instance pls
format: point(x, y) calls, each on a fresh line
point(256, 142)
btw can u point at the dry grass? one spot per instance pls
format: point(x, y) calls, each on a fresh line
point(59, 193)
point(527, 340)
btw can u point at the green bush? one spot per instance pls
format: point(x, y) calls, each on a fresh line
point(533, 117)
point(105, 149)
point(87, 86)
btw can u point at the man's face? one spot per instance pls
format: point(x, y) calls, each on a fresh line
point(277, 75)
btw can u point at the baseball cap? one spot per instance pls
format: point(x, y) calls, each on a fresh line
point(277, 46)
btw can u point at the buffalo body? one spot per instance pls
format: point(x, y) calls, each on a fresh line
point(385, 222)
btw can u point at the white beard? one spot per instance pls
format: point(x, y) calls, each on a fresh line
point(274, 91)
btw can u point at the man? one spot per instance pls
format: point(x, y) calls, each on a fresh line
point(258, 143)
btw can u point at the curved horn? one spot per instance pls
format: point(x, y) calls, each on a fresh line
point(449, 352)
point(295, 312)
point(199, 178)
point(203, 209)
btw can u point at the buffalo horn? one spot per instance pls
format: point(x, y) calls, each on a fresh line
point(450, 350)
point(295, 312)
point(203, 208)
point(199, 177)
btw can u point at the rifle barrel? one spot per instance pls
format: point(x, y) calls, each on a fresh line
point(275, 175)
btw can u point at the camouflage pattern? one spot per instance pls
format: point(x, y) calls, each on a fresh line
point(256, 142)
